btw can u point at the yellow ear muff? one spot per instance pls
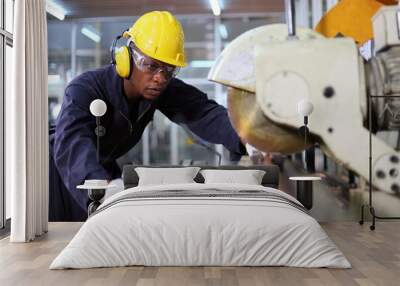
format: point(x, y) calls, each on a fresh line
point(122, 58)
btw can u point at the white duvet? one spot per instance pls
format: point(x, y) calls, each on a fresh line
point(183, 231)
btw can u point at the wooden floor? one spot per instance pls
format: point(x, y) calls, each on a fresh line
point(375, 257)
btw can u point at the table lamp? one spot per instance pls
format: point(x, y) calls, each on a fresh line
point(98, 108)
point(304, 183)
point(96, 188)
point(305, 108)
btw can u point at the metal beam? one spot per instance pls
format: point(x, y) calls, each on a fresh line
point(290, 17)
point(316, 12)
point(302, 13)
point(179, 16)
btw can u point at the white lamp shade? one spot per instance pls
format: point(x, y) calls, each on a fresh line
point(305, 107)
point(98, 107)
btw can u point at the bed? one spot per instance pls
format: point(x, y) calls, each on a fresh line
point(201, 224)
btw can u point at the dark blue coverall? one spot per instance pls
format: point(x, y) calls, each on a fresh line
point(73, 141)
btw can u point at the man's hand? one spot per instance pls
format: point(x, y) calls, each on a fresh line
point(256, 156)
point(243, 140)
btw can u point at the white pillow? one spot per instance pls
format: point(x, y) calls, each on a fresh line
point(248, 177)
point(162, 176)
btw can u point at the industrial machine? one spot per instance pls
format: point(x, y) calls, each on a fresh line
point(270, 70)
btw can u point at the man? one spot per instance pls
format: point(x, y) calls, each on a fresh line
point(140, 80)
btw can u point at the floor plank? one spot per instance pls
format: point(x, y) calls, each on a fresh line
point(375, 257)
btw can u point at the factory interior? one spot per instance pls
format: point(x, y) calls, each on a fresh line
point(235, 142)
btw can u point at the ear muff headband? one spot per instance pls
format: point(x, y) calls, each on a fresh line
point(121, 59)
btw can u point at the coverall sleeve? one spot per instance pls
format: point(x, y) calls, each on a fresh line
point(74, 142)
point(186, 104)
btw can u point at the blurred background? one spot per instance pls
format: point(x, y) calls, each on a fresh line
point(81, 41)
point(80, 33)
point(78, 45)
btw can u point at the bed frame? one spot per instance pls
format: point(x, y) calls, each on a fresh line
point(270, 179)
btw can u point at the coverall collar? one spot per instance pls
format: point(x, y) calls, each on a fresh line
point(120, 101)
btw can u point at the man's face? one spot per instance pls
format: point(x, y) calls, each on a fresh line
point(150, 76)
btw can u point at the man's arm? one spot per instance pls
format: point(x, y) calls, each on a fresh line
point(183, 103)
point(74, 142)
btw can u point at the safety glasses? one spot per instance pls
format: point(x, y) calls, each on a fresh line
point(148, 65)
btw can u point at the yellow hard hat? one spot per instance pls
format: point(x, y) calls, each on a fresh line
point(159, 35)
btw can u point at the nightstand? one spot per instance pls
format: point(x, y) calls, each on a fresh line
point(304, 189)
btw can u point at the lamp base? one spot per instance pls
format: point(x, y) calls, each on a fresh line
point(304, 131)
point(95, 195)
point(305, 193)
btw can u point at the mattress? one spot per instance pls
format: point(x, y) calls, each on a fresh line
point(200, 225)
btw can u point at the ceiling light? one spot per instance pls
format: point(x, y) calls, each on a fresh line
point(53, 78)
point(91, 34)
point(56, 10)
point(201, 64)
point(215, 6)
